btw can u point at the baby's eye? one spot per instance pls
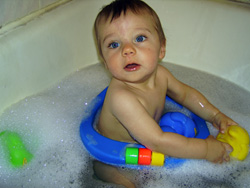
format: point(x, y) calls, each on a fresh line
point(114, 45)
point(140, 38)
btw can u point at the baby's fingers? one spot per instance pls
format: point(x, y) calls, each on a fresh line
point(229, 149)
point(223, 126)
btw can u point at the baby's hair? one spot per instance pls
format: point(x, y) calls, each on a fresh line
point(117, 7)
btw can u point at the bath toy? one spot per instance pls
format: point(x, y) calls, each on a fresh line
point(121, 153)
point(143, 156)
point(178, 123)
point(14, 146)
point(238, 138)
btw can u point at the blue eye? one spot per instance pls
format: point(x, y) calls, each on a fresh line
point(114, 45)
point(140, 38)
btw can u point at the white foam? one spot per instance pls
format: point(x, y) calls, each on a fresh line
point(49, 125)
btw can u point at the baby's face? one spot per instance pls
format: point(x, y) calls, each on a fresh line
point(130, 46)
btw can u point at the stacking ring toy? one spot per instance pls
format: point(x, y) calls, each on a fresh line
point(121, 153)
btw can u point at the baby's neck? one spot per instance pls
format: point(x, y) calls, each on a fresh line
point(148, 84)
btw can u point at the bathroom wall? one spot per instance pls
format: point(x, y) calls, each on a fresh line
point(12, 10)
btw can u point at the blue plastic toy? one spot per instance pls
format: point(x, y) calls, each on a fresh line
point(119, 153)
point(177, 122)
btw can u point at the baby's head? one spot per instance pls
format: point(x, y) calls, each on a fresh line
point(118, 7)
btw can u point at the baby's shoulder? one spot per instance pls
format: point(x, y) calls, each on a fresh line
point(163, 69)
point(122, 101)
point(163, 73)
point(118, 96)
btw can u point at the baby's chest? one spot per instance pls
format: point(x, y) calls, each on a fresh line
point(155, 106)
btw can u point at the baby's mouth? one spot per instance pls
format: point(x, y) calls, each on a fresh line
point(132, 67)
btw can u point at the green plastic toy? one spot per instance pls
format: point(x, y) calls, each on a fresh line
point(14, 146)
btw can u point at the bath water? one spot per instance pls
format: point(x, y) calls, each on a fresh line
point(49, 122)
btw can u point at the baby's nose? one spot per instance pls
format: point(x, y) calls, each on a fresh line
point(128, 49)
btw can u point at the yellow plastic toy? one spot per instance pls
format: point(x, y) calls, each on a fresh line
point(238, 138)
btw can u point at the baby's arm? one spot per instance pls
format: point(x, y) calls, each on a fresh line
point(134, 117)
point(197, 103)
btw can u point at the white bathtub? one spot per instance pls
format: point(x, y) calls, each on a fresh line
point(211, 36)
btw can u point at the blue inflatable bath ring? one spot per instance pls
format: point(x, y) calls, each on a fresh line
point(121, 153)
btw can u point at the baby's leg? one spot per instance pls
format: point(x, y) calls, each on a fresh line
point(111, 174)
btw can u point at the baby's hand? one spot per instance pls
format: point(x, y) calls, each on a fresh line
point(217, 152)
point(221, 122)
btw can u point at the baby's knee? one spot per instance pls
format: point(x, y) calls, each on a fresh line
point(110, 174)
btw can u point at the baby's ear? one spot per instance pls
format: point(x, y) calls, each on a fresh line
point(105, 64)
point(162, 50)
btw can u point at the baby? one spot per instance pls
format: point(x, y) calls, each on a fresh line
point(131, 43)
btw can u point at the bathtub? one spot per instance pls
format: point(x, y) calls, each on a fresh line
point(212, 36)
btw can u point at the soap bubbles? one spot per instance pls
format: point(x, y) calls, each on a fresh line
point(49, 123)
